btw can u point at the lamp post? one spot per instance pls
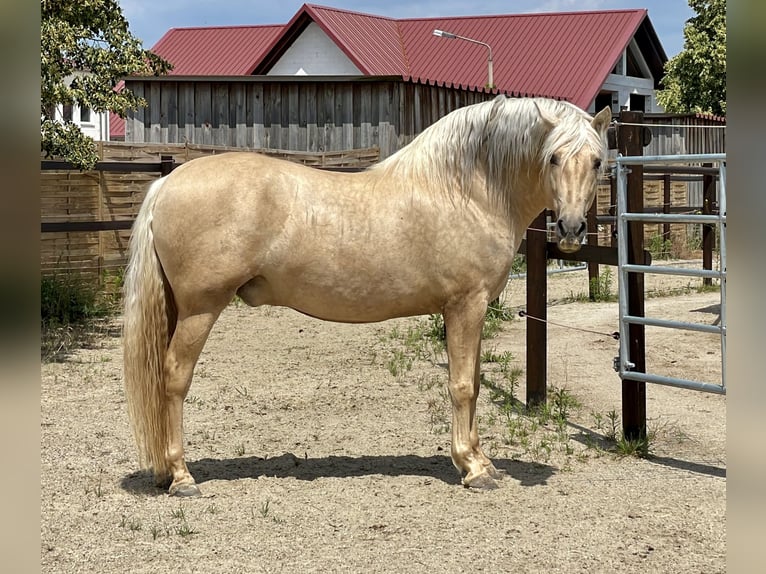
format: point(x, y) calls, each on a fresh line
point(451, 36)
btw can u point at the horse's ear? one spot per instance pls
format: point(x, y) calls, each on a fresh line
point(601, 121)
point(547, 118)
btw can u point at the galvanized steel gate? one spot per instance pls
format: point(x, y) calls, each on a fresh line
point(624, 364)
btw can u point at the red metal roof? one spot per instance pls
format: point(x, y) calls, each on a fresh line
point(560, 55)
point(564, 56)
point(215, 51)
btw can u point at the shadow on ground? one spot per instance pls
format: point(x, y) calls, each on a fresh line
point(591, 438)
point(290, 465)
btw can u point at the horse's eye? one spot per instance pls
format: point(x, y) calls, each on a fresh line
point(554, 159)
point(597, 164)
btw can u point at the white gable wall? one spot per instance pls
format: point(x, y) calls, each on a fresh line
point(90, 123)
point(314, 54)
point(622, 86)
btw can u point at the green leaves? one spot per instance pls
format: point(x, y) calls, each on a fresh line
point(695, 79)
point(86, 49)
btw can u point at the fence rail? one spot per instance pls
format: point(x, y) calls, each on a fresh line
point(631, 363)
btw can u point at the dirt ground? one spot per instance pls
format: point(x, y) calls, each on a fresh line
point(318, 450)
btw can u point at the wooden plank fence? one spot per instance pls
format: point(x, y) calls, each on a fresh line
point(86, 216)
point(297, 113)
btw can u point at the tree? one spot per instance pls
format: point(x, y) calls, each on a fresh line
point(86, 48)
point(695, 79)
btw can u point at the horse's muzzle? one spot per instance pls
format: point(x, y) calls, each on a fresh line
point(570, 237)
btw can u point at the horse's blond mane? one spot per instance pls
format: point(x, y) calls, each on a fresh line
point(505, 141)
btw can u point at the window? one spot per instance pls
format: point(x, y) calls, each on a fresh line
point(604, 99)
point(67, 113)
point(637, 103)
point(84, 115)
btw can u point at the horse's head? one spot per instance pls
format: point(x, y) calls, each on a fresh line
point(574, 154)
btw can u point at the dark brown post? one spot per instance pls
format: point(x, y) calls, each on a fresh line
point(630, 143)
point(592, 240)
point(537, 297)
point(166, 165)
point(708, 231)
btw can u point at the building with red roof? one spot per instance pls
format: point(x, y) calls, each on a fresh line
point(592, 59)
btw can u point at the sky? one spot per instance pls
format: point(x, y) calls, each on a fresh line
point(150, 19)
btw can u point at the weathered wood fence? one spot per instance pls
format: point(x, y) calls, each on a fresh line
point(295, 113)
point(86, 216)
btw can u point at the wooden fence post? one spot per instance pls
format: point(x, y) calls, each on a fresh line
point(592, 237)
point(630, 143)
point(537, 298)
point(166, 165)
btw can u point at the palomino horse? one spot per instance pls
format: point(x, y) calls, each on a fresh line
point(431, 229)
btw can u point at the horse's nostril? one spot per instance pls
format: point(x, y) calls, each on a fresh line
point(581, 229)
point(560, 225)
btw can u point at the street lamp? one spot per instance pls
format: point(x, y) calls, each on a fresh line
point(451, 36)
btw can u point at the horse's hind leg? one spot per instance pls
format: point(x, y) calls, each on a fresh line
point(464, 323)
point(187, 342)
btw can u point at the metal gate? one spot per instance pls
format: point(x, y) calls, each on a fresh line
point(623, 365)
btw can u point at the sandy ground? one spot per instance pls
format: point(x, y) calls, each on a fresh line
point(313, 457)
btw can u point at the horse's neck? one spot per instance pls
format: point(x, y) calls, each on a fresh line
point(526, 200)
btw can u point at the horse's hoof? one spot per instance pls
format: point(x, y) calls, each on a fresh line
point(184, 490)
point(482, 481)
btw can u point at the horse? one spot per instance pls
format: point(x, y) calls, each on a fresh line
point(433, 228)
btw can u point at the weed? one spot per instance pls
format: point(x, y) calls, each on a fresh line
point(99, 490)
point(711, 288)
point(207, 435)
point(194, 400)
point(132, 524)
point(184, 530)
point(69, 298)
point(601, 287)
point(438, 412)
point(70, 308)
point(639, 447)
point(694, 237)
point(426, 383)
point(265, 508)
point(239, 449)
point(612, 425)
point(497, 314)
point(519, 264)
point(659, 248)
point(399, 363)
point(434, 329)
point(562, 402)
point(490, 356)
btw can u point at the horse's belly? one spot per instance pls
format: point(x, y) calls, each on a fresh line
point(350, 297)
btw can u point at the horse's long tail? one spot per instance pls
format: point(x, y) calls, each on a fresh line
point(148, 323)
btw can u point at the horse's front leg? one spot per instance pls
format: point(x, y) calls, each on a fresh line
point(464, 324)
